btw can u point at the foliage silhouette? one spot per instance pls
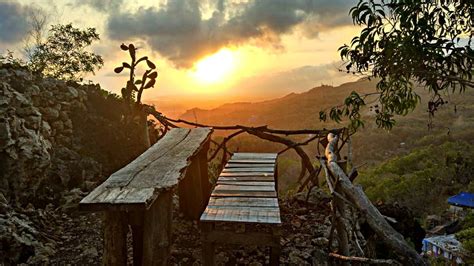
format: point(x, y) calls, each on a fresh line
point(63, 54)
point(131, 92)
point(404, 43)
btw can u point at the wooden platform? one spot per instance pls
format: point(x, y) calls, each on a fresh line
point(246, 192)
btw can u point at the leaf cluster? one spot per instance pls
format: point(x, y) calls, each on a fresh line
point(134, 88)
point(408, 42)
point(63, 55)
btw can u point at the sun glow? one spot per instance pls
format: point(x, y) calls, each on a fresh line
point(215, 68)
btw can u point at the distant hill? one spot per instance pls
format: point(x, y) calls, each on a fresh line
point(295, 110)
point(454, 121)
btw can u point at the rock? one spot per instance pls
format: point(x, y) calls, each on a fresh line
point(320, 241)
point(316, 197)
point(50, 113)
point(5, 134)
point(90, 252)
point(71, 93)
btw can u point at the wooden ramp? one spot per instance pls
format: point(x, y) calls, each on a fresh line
point(246, 192)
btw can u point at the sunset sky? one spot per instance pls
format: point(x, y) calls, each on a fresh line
point(215, 50)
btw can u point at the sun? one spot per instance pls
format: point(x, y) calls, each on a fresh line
point(215, 68)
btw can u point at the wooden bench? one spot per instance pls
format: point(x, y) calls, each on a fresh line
point(245, 193)
point(140, 196)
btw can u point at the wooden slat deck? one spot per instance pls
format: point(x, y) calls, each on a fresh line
point(245, 191)
point(160, 168)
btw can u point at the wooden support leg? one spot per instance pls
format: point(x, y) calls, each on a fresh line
point(207, 246)
point(190, 192)
point(135, 219)
point(205, 184)
point(115, 239)
point(275, 249)
point(157, 230)
point(137, 233)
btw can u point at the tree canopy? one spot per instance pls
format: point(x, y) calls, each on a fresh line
point(63, 55)
point(406, 43)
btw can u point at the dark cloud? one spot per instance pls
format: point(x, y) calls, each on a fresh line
point(13, 21)
point(101, 5)
point(179, 32)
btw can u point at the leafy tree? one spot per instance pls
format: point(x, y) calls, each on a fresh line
point(405, 43)
point(63, 55)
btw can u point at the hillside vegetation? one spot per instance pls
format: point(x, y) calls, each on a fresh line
point(408, 142)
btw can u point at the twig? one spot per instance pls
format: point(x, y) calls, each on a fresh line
point(365, 260)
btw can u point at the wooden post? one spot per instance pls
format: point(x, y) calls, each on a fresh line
point(376, 221)
point(115, 238)
point(207, 245)
point(190, 191)
point(157, 230)
point(135, 219)
point(205, 184)
point(275, 249)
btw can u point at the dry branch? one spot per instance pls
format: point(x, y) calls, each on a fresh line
point(376, 221)
point(362, 259)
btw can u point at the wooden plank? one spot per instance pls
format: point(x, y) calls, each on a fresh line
point(260, 194)
point(115, 235)
point(219, 188)
point(169, 170)
point(246, 161)
point(247, 178)
point(243, 202)
point(124, 176)
point(139, 182)
point(247, 174)
point(269, 215)
point(249, 165)
point(252, 169)
point(116, 199)
point(250, 155)
point(157, 225)
point(245, 183)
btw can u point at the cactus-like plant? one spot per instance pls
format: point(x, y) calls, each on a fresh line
point(136, 87)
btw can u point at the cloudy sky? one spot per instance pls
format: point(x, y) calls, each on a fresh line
point(230, 49)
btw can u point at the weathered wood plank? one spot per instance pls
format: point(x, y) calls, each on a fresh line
point(115, 235)
point(252, 169)
point(243, 202)
point(220, 188)
point(246, 178)
point(157, 225)
point(124, 176)
point(114, 199)
point(247, 174)
point(261, 194)
point(251, 155)
point(251, 161)
point(168, 171)
point(269, 215)
point(160, 168)
point(249, 165)
point(244, 183)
